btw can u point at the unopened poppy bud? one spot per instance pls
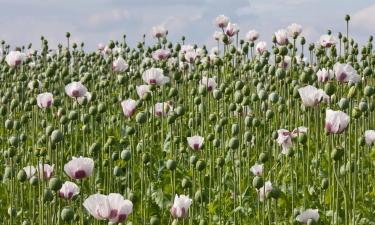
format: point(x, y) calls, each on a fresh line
point(363, 106)
point(203, 222)
point(233, 143)
point(34, 181)
point(57, 136)
point(347, 17)
point(186, 183)
point(21, 176)
point(13, 140)
point(343, 103)
point(12, 212)
point(125, 155)
point(8, 124)
point(146, 158)
point(154, 220)
point(141, 117)
point(67, 214)
point(201, 165)
point(263, 157)
point(258, 182)
point(54, 184)
point(352, 91)
point(356, 112)
point(330, 88)
point(47, 195)
point(337, 153)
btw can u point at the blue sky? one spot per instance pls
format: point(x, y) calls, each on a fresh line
point(97, 21)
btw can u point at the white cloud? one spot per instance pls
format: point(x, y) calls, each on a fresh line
point(365, 18)
point(114, 15)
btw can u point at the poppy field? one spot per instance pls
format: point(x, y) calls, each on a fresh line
point(167, 133)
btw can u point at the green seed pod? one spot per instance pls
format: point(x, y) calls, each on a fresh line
point(369, 91)
point(201, 165)
point(235, 129)
point(361, 141)
point(280, 73)
point(343, 103)
point(349, 167)
point(49, 130)
point(34, 181)
point(13, 141)
point(186, 183)
point(8, 124)
point(26, 222)
point(302, 138)
point(146, 157)
point(171, 164)
point(94, 149)
point(269, 114)
point(57, 136)
point(141, 117)
point(73, 115)
point(258, 182)
point(193, 159)
point(55, 184)
point(275, 193)
point(263, 157)
point(93, 110)
point(234, 143)
point(203, 222)
point(337, 153)
point(47, 195)
point(125, 155)
point(12, 212)
point(363, 106)
point(217, 94)
point(129, 130)
point(330, 88)
point(21, 176)
point(8, 173)
point(117, 171)
point(352, 92)
point(154, 220)
point(247, 136)
point(356, 113)
point(325, 183)
point(67, 214)
point(102, 108)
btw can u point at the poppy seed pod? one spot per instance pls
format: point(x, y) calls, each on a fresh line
point(201, 165)
point(263, 157)
point(57, 136)
point(171, 164)
point(21, 176)
point(67, 214)
point(325, 183)
point(344, 103)
point(233, 143)
point(337, 153)
point(34, 181)
point(47, 195)
point(141, 117)
point(258, 182)
point(356, 112)
point(330, 88)
point(154, 220)
point(363, 106)
point(54, 184)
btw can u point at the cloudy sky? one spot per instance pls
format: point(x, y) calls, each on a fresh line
point(97, 21)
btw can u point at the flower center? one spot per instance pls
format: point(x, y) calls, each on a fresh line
point(79, 174)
